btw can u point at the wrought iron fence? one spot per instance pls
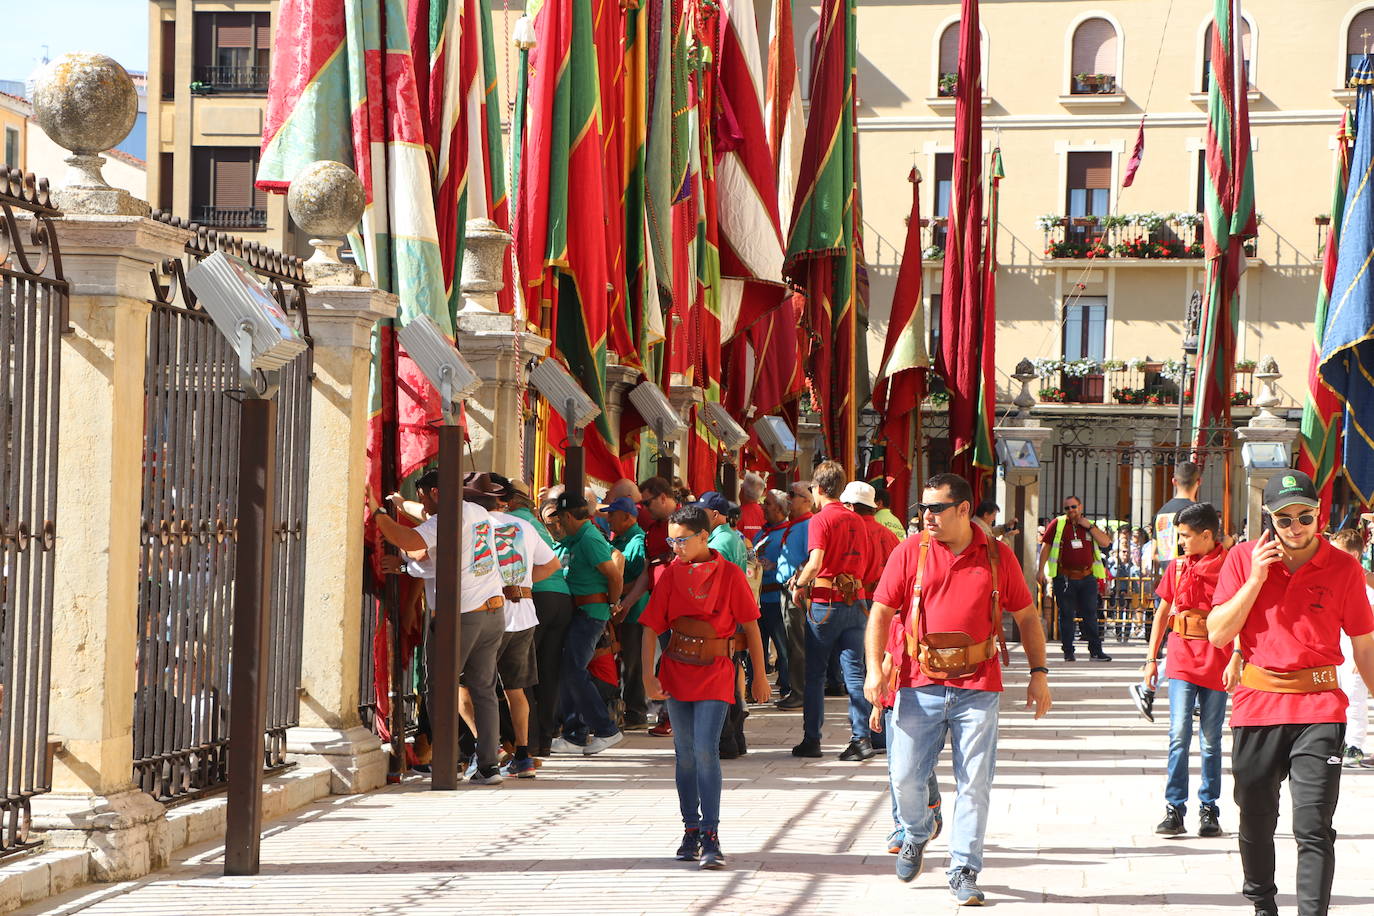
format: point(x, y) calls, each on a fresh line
point(230, 79)
point(33, 316)
point(190, 518)
point(232, 217)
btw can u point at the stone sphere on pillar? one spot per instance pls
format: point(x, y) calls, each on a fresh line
point(327, 200)
point(85, 102)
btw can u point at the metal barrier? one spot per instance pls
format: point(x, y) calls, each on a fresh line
point(190, 499)
point(33, 316)
point(1125, 611)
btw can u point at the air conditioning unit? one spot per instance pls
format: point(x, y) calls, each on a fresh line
point(563, 393)
point(653, 405)
point(778, 441)
point(723, 426)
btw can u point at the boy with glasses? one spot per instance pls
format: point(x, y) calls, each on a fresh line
point(1288, 596)
point(1070, 559)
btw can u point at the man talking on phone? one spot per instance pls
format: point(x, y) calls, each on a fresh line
point(1288, 596)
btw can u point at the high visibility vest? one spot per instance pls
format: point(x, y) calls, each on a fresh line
point(1052, 566)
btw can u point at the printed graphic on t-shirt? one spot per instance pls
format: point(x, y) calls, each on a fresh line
point(510, 553)
point(483, 556)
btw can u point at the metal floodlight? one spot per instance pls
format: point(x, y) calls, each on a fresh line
point(723, 426)
point(563, 393)
point(1019, 454)
point(653, 405)
point(439, 360)
point(778, 441)
point(246, 313)
point(1264, 455)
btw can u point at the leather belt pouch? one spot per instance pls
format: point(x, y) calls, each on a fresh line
point(693, 641)
point(1190, 624)
point(1304, 680)
point(952, 655)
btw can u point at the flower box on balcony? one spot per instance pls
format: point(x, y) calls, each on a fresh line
point(1053, 395)
point(1093, 83)
point(1085, 389)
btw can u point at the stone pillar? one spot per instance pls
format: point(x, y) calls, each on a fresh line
point(1142, 472)
point(1024, 483)
point(809, 443)
point(341, 320)
point(683, 398)
point(1264, 427)
point(619, 380)
point(94, 804)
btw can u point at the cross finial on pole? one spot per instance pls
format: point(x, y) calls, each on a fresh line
point(1365, 35)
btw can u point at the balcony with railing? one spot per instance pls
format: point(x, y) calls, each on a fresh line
point(233, 79)
point(1128, 236)
point(1135, 382)
point(232, 217)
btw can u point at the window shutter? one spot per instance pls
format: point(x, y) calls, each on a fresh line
point(1355, 42)
point(262, 30)
point(1090, 171)
point(233, 179)
point(204, 46)
point(1094, 47)
point(949, 49)
point(233, 30)
point(944, 166)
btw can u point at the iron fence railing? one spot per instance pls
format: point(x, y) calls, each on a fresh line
point(231, 79)
point(33, 316)
point(232, 217)
point(190, 518)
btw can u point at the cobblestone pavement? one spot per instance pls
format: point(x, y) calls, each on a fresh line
point(1071, 832)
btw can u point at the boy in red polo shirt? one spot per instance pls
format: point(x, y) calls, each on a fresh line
point(1199, 673)
point(1288, 596)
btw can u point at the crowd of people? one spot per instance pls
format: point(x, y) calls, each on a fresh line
point(587, 615)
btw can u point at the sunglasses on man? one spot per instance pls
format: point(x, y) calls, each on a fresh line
point(1285, 521)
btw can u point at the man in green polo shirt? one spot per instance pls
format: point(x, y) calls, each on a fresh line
point(723, 539)
point(622, 514)
point(595, 582)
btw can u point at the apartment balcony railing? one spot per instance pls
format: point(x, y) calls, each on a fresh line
point(1143, 382)
point(1133, 235)
point(232, 217)
point(210, 80)
point(1094, 84)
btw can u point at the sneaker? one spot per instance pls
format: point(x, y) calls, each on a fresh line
point(486, 776)
point(1101, 657)
point(963, 884)
point(664, 728)
point(711, 856)
point(561, 745)
point(472, 767)
point(809, 747)
point(1172, 825)
point(859, 749)
point(1068, 656)
point(909, 859)
point(895, 840)
point(1367, 761)
point(1144, 700)
point(598, 744)
point(1209, 823)
point(791, 701)
point(635, 724)
point(1353, 756)
point(520, 769)
point(690, 850)
point(939, 820)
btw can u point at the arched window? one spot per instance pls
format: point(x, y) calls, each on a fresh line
point(1359, 41)
point(807, 53)
point(1246, 50)
point(949, 60)
point(1094, 57)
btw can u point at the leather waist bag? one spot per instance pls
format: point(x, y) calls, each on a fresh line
point(1304, 680)
point(693, 641)
point(947, 655)
point(846, 587)
point(1190, 624)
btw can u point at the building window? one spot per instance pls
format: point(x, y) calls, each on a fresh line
point(1089, 192)
point(1245, 51)
point(169, 58)
point(12, 152)
point(1201, 181)
point(947, 80)
point(934, 324)
point(232, 52)
point(944, 189)
point(165, 179)
point(1359, 39)
point(1085, 327)
point(1094, 57)
point(222, 191)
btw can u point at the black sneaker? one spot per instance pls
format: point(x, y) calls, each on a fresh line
point(1068, 656)
point(1144, 700)
point(691, 846)
point(963, 884)
point(809, 747)
point(1101, 657)
point(1208, 823)
point(859, 749)
point(711, 856)
point(791, 701)
point(1172, 825)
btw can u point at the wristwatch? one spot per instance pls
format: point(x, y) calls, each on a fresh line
point(1041, 668)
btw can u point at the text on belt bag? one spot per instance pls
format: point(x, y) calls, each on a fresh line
point(953, 655)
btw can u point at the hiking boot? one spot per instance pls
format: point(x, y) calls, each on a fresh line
point(690, 849)
point(791, 701)
point(859, 749)
point(1352, 756)
point(711, 856)
point(963, 884)
point(909, 859)
point(939, 820)
point(809, 747)
point(1208, 822)
point(895, 840)
point(596, 744)
point(1172, 825)
point(1144, 700)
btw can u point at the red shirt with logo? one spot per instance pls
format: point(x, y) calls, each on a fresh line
point(1081, 557)
point(1295, 623)
point(841, 534)
point(714, 590)
point(1188, 583)
point(956, 594)
point(750, 521)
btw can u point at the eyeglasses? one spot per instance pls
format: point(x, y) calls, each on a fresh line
point(934, 508)
point(680, 542)
point(1284, 521)
point(1071, 506)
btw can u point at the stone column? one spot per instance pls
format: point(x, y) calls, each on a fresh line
point(94, 804)
point(619, 380)
point(1142, 471)
point(1264, 427)
point(341, 320)
point(1026, 482)
point(683, 398)
point(808, 445)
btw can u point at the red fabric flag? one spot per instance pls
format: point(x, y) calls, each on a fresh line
point(1136, 155)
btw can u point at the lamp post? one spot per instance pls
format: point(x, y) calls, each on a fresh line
point(1191, 319)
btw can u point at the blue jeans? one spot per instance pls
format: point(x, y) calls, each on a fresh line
point(932, 786)
point(771, 628)
point(921, 720)
point(828, 625)
point(1078, 597)
point(1212, 705)
point(580, 700)
point(696, 747)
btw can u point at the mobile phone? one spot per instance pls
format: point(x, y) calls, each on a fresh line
point(1267, 524)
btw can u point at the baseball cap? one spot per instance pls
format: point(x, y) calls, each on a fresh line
point(715, 502)
point(1290, 487)
point(567, 501)
point(620, 504)
point(856, 491)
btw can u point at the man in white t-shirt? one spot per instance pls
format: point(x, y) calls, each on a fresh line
point(481, 603)
point(523, 558)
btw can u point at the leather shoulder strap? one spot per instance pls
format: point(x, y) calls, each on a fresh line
point(994, 569)
point(916, 629)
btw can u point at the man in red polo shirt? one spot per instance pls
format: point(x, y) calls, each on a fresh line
point(862, 500)
point(1288, 596)
point(951, 592)
point(832, 580)
point(1071, 564)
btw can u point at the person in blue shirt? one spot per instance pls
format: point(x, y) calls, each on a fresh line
point(768, 548)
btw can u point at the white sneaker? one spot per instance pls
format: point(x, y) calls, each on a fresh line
point(596, 745)
point(561, 745)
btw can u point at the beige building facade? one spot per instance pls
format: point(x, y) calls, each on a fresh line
point(1066, 85)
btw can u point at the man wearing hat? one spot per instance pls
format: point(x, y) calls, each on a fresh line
point(723, 539)
point(595, 582)
point(862, 499)
point(622, 515)
point(1288, 596)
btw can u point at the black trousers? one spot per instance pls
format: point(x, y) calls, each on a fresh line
point(1309, 756)
point(632, 672)
point(555, 612)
